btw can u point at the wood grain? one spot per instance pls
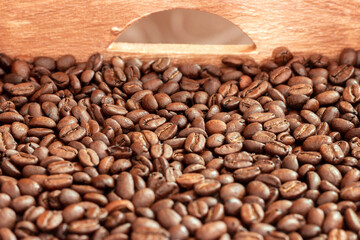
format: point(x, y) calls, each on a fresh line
point(82, 27)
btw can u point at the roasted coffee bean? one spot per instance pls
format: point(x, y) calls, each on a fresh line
point(49, 220)
point(195, 142)
point(211, 230)
point(85, 226)
point(297, 221)
point(88, 157)
point(292, 189)
point(255, 89)
point(280, 75)
point(332, 153)
point(313, 143)
point(277, 125)
point(276, 148)
point(72, 132)
point(8, 218)
point(340, 74)
point(166, 131)
point(328, 97)
point(251, 213)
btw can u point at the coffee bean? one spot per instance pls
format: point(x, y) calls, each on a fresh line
point(125, 186)
point(72, 132)
point(333, 220)
point(195, 142)
point(280, 75)
point(65, 152)
point(189, 179)
point(168, 217)
point(88, 157)
point(351, 192)
point(23, 159)
point(255, 89)
point(297, 221)
point(328, 97)
point(8, 218)
point(58, 181)
point(277, 125)
point(207, 187)
point(215, 126)
point(237, 160)
point(65, 62)
point(330, 173)
point(276, 148)
point(166, 131)
point(292, 189)
point(85, 226)
point(251, 213)
point(309, 157)
point(313, 143)
point(332, 153)
point(340, 74)
point(261, 117)
point(212, 230)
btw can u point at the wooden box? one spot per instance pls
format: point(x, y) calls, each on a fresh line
point(82, 27)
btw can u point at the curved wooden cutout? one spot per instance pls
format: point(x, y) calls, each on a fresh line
point(82, 27)
point(182, 31)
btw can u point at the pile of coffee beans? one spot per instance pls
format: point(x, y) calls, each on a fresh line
point(129, 149)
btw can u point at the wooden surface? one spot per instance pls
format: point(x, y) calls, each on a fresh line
point(82, 27)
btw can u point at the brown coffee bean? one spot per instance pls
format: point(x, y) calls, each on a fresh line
point(313, 143)
point(255, 89)
point(58, 181)
point(351, 192)
point(261, 117)
point(330, 173)
point(168, 217)
point(332, 153)
point(125, 186)
point(333, 220)
point(207, 187)
point(215, 126)
point(10, 117)
point(166, 131)
point(276, 148)
point(85, 226)
point(247, 173)
point(292, 189)
point(277, 125)
point(280, 75)
point(65, 62)
point(251, 213)
point(211, 230)
point(29, 187)
point(297, 221)
point(8, 218)
point(195, 142)
point(238, 160)
point(49, 220)
point(340, 74)
point(72, 132)
point(189, 179)
point(351, 93)
point(23, 159)
point(88, 157)
point(328, 97)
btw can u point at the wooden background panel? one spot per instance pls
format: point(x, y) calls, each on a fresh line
point(53, 28)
